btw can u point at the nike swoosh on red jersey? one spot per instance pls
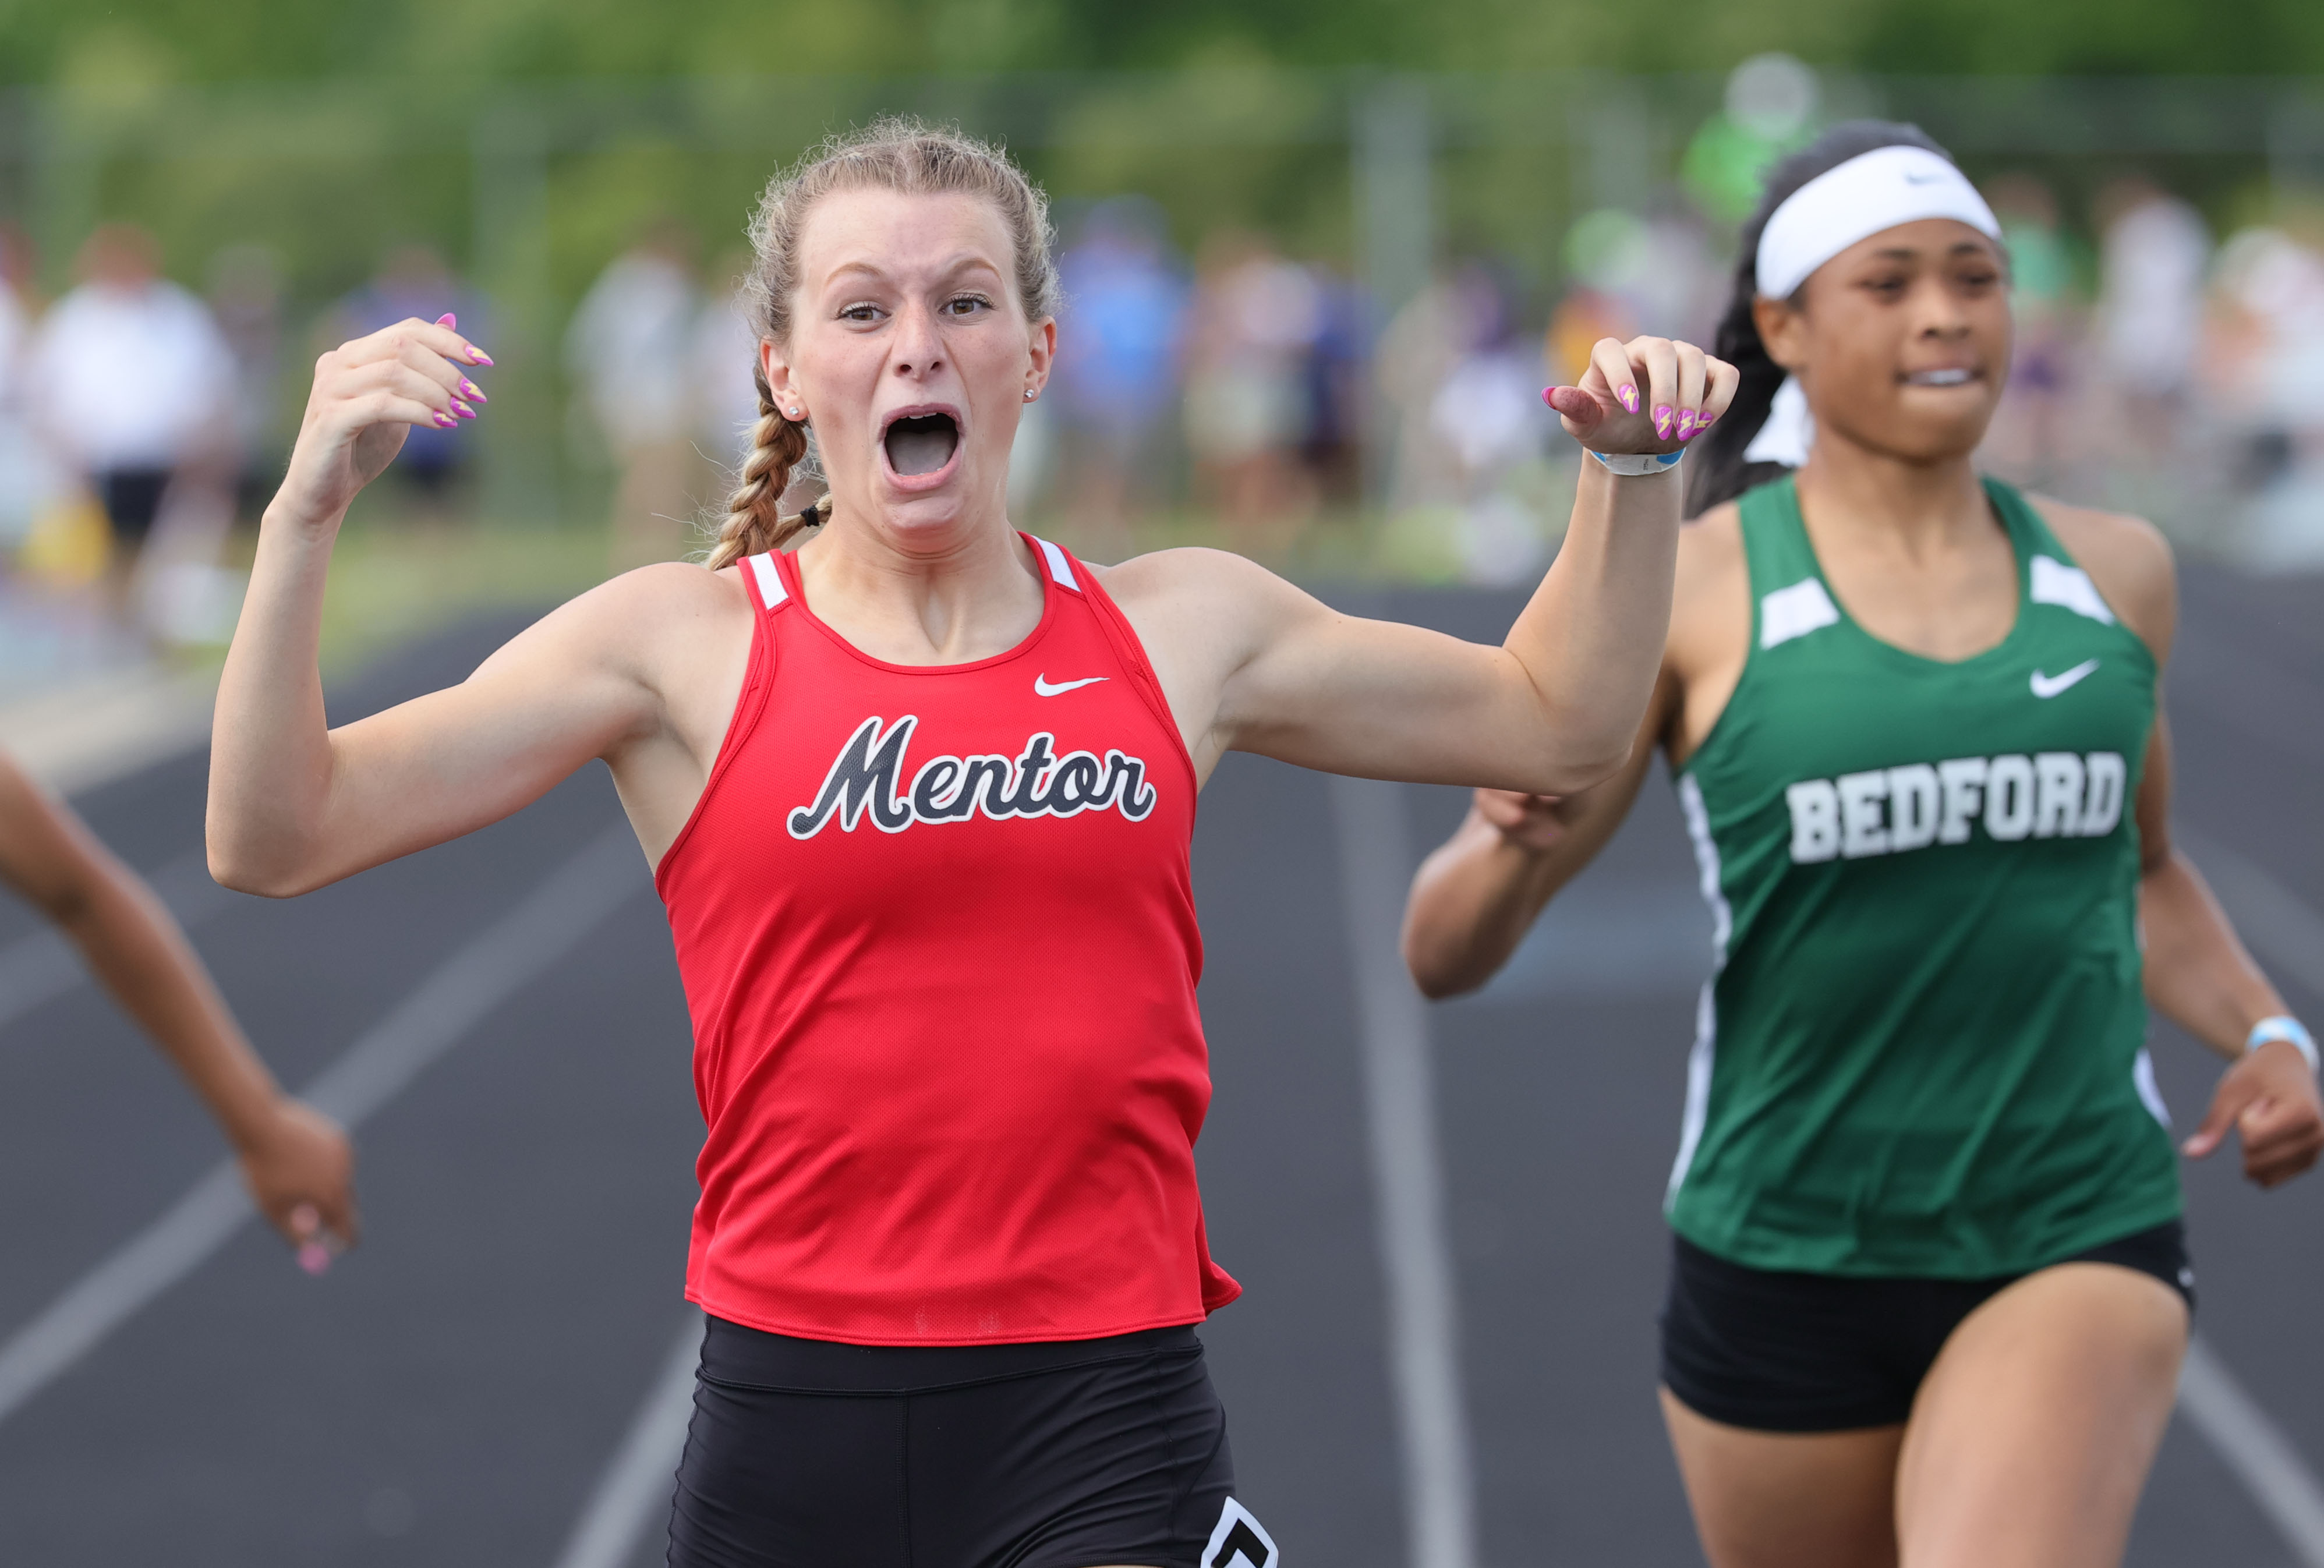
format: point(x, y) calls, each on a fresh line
point(1042, 688)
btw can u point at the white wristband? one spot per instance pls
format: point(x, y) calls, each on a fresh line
point(2283, 1027)
point(1637, 464)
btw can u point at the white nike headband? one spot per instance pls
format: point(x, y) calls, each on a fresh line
point(1877, 190)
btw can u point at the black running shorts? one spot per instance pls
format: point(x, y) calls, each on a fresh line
point(803, 1453)
point(1780, 1352)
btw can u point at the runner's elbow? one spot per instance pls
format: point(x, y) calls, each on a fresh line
point(240, 865)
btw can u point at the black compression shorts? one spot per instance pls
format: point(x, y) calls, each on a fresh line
point(804, 1453)
point(1780, 1352)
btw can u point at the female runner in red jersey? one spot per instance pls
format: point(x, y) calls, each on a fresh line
point(919, 795)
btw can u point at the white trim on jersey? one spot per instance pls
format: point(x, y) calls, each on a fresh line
point(770, 578)
point(1700, 1060)
point(2150, 1092)
point(2070, 588)
point(1060, 569)
point(1795, 612)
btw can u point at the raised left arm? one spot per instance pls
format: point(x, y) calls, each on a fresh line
point(1550, 711)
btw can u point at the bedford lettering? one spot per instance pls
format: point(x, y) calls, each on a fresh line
point(1895, 810)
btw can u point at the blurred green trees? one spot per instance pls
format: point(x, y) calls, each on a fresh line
point(460, 41)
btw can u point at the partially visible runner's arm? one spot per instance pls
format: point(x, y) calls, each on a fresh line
point(2197, 973)
point(295, 1160)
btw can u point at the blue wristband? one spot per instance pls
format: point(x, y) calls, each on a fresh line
point(1637, 464)
point(2283, 1027)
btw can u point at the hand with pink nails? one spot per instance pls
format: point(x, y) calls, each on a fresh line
point(1650, 394)
point(367, 395)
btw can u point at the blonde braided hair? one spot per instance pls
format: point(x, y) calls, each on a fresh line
point(903, 156)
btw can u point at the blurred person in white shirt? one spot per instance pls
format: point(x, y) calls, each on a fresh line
point(135, 386)
point(629, 346)
point(2150, 317)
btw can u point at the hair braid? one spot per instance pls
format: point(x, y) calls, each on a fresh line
point(754, 522)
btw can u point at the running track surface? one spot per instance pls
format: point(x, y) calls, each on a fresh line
point(454, 1392)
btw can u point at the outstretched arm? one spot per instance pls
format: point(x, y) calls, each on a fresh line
point(295, 1160)
point(1550, 711)
point(295, 804)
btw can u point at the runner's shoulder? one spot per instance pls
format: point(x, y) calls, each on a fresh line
point(2128, 560)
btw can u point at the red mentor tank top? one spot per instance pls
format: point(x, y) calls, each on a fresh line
point(936, 929)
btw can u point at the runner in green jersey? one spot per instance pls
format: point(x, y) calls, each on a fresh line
point(1929, 1293)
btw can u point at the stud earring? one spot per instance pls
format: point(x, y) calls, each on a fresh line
point(794, 415)
point(1029, 395)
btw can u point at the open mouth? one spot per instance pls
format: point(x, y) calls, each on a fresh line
point(921, 444)
point(1956, 377)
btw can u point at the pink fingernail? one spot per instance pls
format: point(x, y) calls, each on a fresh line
point(477, 356)
point(1630, 396)
point(314, 1257)
point(1685, 423)
point(463, 409)
point(447, 319)
point(1549, 396)
point(446, 421)
point(1662, 420)
point(469, 389)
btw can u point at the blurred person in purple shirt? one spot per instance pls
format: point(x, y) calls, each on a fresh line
point(414, 281)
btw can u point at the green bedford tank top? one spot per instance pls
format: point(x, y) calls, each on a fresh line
point(1921, 1051)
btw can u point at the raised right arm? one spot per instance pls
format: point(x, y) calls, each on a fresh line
point(293, 804)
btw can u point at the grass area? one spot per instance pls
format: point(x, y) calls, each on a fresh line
point(390, 582)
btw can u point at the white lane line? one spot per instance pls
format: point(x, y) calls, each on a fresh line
point(42, 966)
point(1400, 1106)
point(2285, 932)
point(2256, 1449)
point(639, 1479)
point(508, 955)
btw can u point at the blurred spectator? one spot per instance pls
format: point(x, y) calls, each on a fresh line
point(1117, 369)
point(2260, 376)
point(1337, 366)
point(2156, 249)
point(1769, 109)
point(1659, 266)
point(2028, 440)
point(1583, 318)
point(1489, 416)
point(1255, 319)
point(725, 400)
point(246, 298)
point(136, 387)
point(413, 284)
point(630, 345)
